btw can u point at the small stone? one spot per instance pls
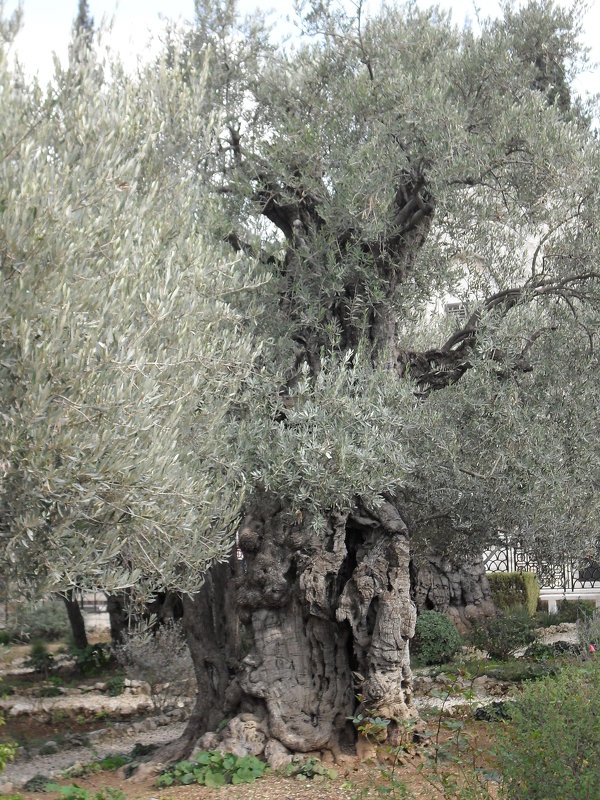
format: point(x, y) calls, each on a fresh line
point(48, 748)
point(277, 755)
point(345, 760)
point(481, 680)
point(19, 709)
point(7, 788)
point(244, 736)
point(77, 739)
point(148, 769)
point(210, 741)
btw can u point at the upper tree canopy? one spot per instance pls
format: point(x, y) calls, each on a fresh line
point(220, 274)
point(374, 166)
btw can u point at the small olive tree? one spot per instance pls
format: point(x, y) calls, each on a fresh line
point(161, 659)
point(120, 351)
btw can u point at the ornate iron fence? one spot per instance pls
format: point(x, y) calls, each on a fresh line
point(570, 576)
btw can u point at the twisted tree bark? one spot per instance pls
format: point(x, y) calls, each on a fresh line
point(285, 641)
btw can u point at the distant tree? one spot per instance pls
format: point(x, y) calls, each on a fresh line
point(82, 32)
point(84, 22)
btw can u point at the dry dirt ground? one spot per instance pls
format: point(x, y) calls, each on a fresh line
point(356, 781)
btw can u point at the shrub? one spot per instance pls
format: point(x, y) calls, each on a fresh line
point(514, 589)
point(93, 659)
point(8, 751)
point(47, 621)
point(503, 635)
point(544, 619)
point(588, 633)
point(161, 659)
point(40, 660)
point(538, 651)
point(115, 686)
point(574, 610)
point(551, 749)
point(4, 637)
point(436, 639)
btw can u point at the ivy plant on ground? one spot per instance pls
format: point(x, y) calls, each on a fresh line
point(214, 769)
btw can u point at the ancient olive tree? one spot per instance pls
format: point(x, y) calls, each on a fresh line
point(375, 166)
point(217, 311)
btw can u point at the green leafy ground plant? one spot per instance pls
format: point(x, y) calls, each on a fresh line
point(312, 769)
point(214, 769)
point(74, 792)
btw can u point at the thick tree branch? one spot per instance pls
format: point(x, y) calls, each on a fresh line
point(441, 367)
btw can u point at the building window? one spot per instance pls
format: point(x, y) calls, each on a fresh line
point(456, 310)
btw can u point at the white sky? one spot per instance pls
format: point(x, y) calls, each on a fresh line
point(47, 26)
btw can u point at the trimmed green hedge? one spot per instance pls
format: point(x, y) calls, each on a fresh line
point(511, 589)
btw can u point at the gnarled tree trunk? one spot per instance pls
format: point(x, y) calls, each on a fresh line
point(285, 640)
point(461, 591)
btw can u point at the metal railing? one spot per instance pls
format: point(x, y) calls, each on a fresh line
point(569, 576)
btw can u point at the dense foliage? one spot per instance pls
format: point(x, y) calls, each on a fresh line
point(510, 589)
point(551, 748)
point(47, 621)
point(120, 354)
point(503, 635)
point(436, 639)
point(220, 275)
